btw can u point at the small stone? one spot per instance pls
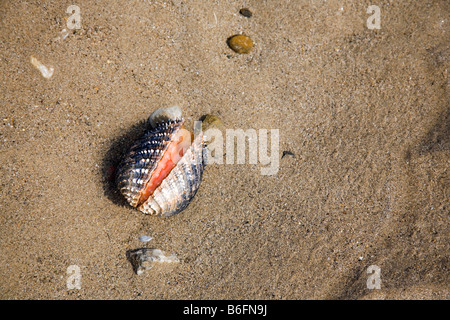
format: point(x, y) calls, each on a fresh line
point(245, 12)
point(287, 153)
point(144, 259)
point(240, 43)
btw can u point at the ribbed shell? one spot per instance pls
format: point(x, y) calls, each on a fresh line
point(178, 188)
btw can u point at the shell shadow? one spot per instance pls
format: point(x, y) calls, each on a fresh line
point(118, 148)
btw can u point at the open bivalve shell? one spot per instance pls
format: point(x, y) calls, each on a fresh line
point(162, 171)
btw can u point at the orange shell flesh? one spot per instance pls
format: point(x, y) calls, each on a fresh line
point(180, 143)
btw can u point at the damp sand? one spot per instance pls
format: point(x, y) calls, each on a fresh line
point(363, 120)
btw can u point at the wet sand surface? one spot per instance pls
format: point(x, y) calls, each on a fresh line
point(362, 114)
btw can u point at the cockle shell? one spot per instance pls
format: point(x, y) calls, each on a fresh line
point(162, 171)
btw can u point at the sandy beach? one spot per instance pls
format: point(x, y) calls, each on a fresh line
point(361, 105)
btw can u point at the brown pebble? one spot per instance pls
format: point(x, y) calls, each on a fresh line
point(246, 12)
point(240, 43)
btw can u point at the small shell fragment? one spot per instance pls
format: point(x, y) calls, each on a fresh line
point(144, 259)
point(62, 35)
point(163, 115)
point(46, 72)
point(145, 238)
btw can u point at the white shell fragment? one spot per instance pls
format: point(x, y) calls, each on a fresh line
point(46, 72)
point(145, 238)
point(164, 114)
point(62, 35)
point(143, 259)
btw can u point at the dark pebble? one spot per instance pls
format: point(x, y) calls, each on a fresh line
point(246, 12)
point(287, 153)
